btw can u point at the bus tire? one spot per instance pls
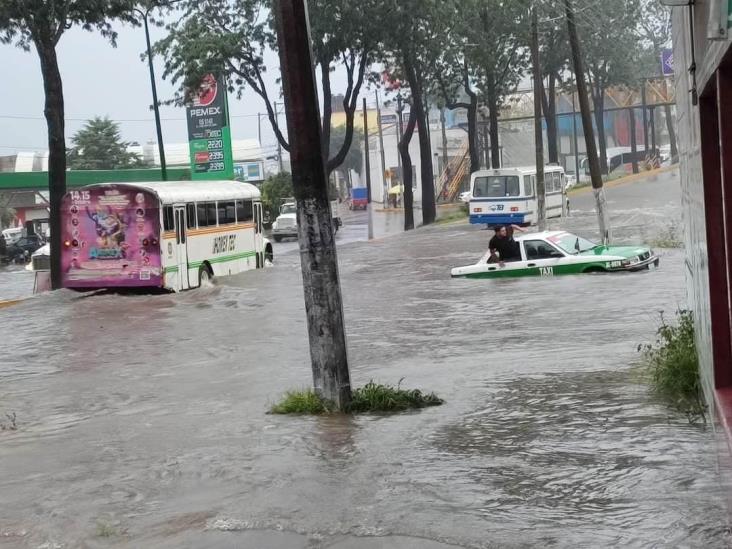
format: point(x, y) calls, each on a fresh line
point(204, 274)
point(268, 254)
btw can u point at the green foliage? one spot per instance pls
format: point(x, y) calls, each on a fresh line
point(7, 215)
point(232, 36)
point(274, 190)
point(372, 397)
point(673, 365)
point(43, 22)
point(354, 157)
point(98, 146)
point(375, 397)
point(302, 402)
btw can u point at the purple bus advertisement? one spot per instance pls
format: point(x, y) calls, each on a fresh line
point(110, 238)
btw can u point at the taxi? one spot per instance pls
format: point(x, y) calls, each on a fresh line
point(552, 253)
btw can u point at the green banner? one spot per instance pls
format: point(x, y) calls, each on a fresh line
point(209, 134)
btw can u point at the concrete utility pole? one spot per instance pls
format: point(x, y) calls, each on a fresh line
point(538, 131)
point(323, 303)
point(367, 167)
point(575, 142)
point(592, 159)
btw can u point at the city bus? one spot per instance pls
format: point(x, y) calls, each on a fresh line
point(174, 235)
point(508, 195)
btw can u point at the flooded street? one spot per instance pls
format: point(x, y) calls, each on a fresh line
point(141, 419)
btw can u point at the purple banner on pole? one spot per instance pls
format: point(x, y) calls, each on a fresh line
point(667, 62)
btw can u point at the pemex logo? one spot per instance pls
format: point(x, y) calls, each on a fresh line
point(207, 90)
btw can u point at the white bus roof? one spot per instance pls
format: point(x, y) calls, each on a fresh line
point(175, 192)
point(523, 170)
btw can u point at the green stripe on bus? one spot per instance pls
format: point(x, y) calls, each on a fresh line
point(222, 259)
point(170, 270)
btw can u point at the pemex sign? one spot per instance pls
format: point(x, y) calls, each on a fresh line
point(209, 134)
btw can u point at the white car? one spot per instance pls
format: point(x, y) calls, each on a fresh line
point(285, 226)
point(465, 197)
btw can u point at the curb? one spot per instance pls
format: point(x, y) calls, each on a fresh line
point(625, 180)
point(10, 302)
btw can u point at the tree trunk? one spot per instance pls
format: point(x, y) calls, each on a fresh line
point(321, 285)
point(407, 174)
point(327, 109)
point(54, 113)
point(492, 99)
point(579, 75)
point(549, 106)
point(445, 159)
point(425, 150)
point(473, 149)
point(671, 134)
point(538, 129)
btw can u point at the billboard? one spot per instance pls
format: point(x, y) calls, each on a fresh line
point(249, 171)
point(209, 134)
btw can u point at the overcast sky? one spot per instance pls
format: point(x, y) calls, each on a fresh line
point(100, 80)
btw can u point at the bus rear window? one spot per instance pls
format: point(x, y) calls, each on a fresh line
point(494, 186)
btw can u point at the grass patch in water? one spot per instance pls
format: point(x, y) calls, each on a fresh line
point(372, 397)
point(673, 366)
point(455, 216)
point(302, 402)
point(668, 238)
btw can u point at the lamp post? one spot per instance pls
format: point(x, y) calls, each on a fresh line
point(161, 149)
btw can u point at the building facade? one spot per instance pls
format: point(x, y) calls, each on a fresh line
point(703, 65)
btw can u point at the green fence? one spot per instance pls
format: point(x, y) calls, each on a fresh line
point(38, 181)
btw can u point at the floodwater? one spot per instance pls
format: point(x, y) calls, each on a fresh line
point(141, 419)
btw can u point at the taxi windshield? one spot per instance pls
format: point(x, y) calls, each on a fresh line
point(572, 244)
point(494, 186)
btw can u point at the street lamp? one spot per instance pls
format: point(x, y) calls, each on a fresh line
point(161, 149)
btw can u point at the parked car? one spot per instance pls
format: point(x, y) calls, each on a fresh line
point(22, 248)
point(552, 253)
point(465, 196)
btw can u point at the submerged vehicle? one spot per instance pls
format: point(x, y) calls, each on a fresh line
point(173, 234)
point(553, 253)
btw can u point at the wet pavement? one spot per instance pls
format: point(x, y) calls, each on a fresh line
point(141, 419)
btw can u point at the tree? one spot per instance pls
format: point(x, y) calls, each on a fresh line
point(232, 37)
point(612, 49)
point(274, 190)
point(555, 56)
point(42, 23)
point(415, 36)
point(655, 30)
point(353, 159)
point(98, 146)
point(501, 58)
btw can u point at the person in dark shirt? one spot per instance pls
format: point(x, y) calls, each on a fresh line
point(503, 247)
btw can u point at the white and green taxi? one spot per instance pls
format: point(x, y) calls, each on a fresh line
point(552, 253)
